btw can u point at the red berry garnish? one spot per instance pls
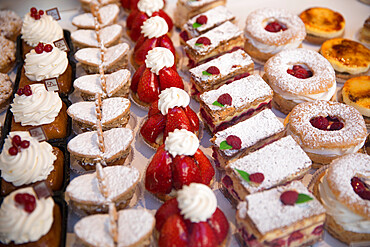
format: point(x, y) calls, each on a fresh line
point(289, 197)
point(33, 10)
point(365, 195)
point(320, 122)
point(358, 185)
point(16, 141)
point(202, 19)
point(275, 27)
point(27, 87)
point(333, 119)
point(257, 177)
point(25, 144)
point(336, 126)
point(41, 12)
point(29, 207)
point(39, 49)
point(37, 17)
point(225, 99)
point(213, 70)
point(19, 198)
point(300, 72)
point(234, 141)
point(28, 201)
point(13, 151)
point(33, 15)
point(48, 48)
point(27, 92)
point(20, 91)
point(203, 41)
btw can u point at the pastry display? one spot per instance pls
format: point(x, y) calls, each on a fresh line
point(299, 75)
point(348, 58)
point(187, 9)
point(24, 161)
point(285, 216)
point(170, 112)
point(7, 50)
point(27, 219)
point(355, 92)
point(322, 24)
point(108, 16)
point(219, 71)
point(246, 137)
point(191, 219)
point(232, 103)
point(204, 22)
point(33, 106)
point(86, 4)
point(10, 24)
point(158, 73)
point(145, 10)
point(6, 89)
point(224, 38)
point(343, 190)
point(275, 164)
point(326, 130)
point(178, 162)
point(365, 31)
point(268, 31)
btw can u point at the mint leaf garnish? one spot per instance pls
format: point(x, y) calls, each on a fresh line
point(224, 146)
point(302, 198)
point(244, 175)
point(217, 104)
point(196, 25)
point(206, 73)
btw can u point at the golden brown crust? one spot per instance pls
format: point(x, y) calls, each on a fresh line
point(357, 91)
point(7, 50)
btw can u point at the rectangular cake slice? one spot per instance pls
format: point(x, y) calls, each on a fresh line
point(246, 97)
point(265, 218)
point(279, 162)
point(213, 43)
point(208, 20)
point(231, 66)
point(246, 137)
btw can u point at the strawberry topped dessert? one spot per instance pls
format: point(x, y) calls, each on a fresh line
point(170, 112)
point(192, 219)
point(153, 34)
point(145, 10)
point(178, 162)
point(158, 73)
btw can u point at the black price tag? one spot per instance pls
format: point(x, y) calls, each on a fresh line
point(51, 84)
point(61, 44)
point(38, 133)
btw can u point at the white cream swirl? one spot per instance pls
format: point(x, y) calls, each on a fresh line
point(171, 97)
point(21, 227)
point(272, 49)
point(181, 142)
point(349, 220)
point(46, 65)
point(154, 27)
point(45, 30)
point(158, 58)
point(197, 202)
point(150, 6)
point(30, 165)
point(42, 107)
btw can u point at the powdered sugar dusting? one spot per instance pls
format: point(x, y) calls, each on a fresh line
point(197, 3)
point(243, 92)
point(89, 37)
point(94, 230)
point(116, 140)
point(107, 13)
point(277, 161)
point(252, 130)
point(83, 111)
point(268, 213)
point(85, 144)
point(113, 108)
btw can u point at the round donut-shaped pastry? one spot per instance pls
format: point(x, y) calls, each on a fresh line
point(326, 130)
point(346, 197)
point(297, 76)
point(269, 31)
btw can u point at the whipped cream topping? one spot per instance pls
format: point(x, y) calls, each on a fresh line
point(30, 165)
point(21, 227)
point(197, 202)
point(45, 30)
point(46, 65)
point(158, 58)
point(150, 6)
point(154, 27)
point(172, 97)
point(181, 142)
point(42, 107)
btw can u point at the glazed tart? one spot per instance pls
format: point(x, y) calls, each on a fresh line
point(108, 16)
point(348, 58)
point(326, 130)
point(232, 103)
point(299, 75)
point(204, 22)
point(25, 161)
point(246, 137)
point(8, 50)
point(365, 32)
point(217, 41)
point(187, 9)
point(6, 89)
point(269, 31)
point(178, 224)
point(275, 164)
point(284, 216)
point(86, 4)
point(322, 24)
point(219, 71)
point(344, 191)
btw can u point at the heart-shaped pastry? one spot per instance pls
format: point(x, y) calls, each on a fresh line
point(109, 36)
point(85, 4)
point(117, 84)
point(134, 227)
point(108, 15)
point(115, 113)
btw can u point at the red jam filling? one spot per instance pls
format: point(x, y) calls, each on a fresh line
point(300, 72)
point(360, 188)
point(329, 123)
point(275, 27)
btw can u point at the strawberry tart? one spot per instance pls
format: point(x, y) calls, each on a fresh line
point(170, 112)
point(192, 219)
point(156, 74)
point(178, 162)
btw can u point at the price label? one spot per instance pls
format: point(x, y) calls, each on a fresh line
point(61, 44)
point(53, 13)
point(51, 84)
point(38, 133)
point(42, 190)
